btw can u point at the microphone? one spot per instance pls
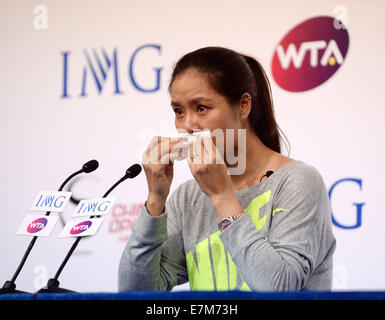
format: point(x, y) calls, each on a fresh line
point(90, 166)
point(131, 172)
point(267, 174)
point(10, 286)
point(53, 283)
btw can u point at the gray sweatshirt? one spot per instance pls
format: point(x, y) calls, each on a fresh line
point(284, 242)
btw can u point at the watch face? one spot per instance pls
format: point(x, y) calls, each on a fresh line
point(224, 224)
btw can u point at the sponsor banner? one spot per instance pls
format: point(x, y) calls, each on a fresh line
point(54, 201)
point(94, 207)
point(122, 219)
point(309, 54)
point(34, 225)
point(99, 64)
point(81, 227)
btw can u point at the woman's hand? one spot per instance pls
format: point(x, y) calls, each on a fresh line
point(158, 165)
point(210, 171)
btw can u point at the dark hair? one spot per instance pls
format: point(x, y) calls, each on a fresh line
point(232, 74)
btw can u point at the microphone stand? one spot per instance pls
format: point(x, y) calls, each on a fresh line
point(53, 283)
point(10, 286)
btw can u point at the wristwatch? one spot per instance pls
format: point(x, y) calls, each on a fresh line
point(225, 222)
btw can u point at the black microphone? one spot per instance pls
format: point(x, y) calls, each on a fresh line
point(131, 172)
point(10, 286)
point(53, 283)
point(267, 174)
point(90, 166)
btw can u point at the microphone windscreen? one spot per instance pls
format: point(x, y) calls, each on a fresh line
point(90, 166)
point(133, 171)
point(269, 173)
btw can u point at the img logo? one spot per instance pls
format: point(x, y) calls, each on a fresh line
point(37, 225)
point(309, 54)
point(80, 227)
point(99, 66)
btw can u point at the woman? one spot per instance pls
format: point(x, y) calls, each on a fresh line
point(267, 228)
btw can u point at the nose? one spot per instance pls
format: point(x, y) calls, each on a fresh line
point(189, 123)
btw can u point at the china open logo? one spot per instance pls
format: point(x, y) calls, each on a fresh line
point(309, 54)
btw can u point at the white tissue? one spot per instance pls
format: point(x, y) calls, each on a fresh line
point(188, 139)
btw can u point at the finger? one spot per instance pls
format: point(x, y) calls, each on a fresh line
point(179, 145)
point(170, 151)
point(167, 158)
point(204, 150)
point(179, 155)
point(159, 148)
point(171, 145)
point(196, 152)
point(212, 152)
point(151, 153)
point(209, 150)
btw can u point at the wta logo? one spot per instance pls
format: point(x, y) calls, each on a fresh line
point(309, 54)
point(37, 225)
point(80, 227)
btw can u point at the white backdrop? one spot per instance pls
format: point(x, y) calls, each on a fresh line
point(48, 131)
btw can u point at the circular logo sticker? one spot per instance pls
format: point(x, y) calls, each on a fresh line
point(37, 225)
point(309, 54)
point(81, 227)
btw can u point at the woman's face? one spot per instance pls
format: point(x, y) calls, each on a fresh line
point(198, 106)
